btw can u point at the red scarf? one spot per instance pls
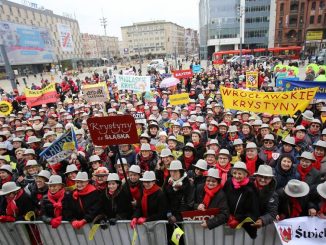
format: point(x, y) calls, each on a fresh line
point(70, 182)
point(143, 164)
point(251, 165)
point(296, 208)
point(135, 192)
point(223, 172)
point(298, 140)
point(196, 144)
point(268, 154)
point(100, 187)
point(323, 207)
point(146, 193)
point(209, 194)
point(9, 178)
point(305, 123)
point(304, 171)
point(259, 187)
point(317, 163)
point(188, 161)
point(87, 190)
point(233, 138)
point(166, 173)
point(12, 209)
point(214, 131)
point(237, 184)
point(56, 200)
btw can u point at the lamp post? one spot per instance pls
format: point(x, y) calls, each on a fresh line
point(8, 68)
point(138, 44)
point(241, 11)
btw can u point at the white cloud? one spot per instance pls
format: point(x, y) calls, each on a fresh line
point(124, 12)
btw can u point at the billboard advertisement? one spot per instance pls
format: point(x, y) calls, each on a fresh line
point(26, 44)
point(65, 38)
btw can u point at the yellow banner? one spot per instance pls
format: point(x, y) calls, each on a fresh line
point(37, 93)
point(96, 97)
point(252, 79)
point(179, 99)
point(283, 103)
point(314, 35)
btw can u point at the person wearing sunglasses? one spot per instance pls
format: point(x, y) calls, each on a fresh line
point(269, 151)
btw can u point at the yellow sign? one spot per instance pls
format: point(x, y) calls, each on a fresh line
point(37, 93)
point(93, 231)
point(179, 99)
point(246, 220)
point(275, 103)
point(177, 233)
point(5, 108)
point(68, 146)
point(30, 216)
point(314, 35)
point(97, 86)
point(252, 79)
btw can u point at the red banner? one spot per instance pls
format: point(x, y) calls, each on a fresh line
point(183, 74)
point(42, 96)
point(199, 215)
point(113, 130)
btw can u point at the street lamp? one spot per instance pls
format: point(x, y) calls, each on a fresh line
point(241, 11)
point(8, 68)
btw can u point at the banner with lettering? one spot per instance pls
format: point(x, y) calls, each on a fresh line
point(252, 79)
point(290, 85)
point(196, 68)
point(41, 96)
point(283, 103)
point(95, 92)
point(302, 231)
point(183, 74)
point(61, 148)
point(179, 99)
point(134, 83)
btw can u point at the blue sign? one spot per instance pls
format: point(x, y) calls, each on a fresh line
point(61, 148)
point(289, 85)
point(196, 68)
point(280, 80)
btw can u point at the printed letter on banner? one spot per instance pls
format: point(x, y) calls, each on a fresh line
point(179, 99)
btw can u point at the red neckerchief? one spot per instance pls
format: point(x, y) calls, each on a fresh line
point(237, 184)
point(9, 178)
point(304, 171)
point(70, 182)
point(56, 200)
point(12, 209)
point(259, 187)
point(223, 172)
point(214, 131)
point(196, 144)
point(251, 165)
point(305, 123)
point(268, 154)
point(188, 161)
point(87, 190)
point(297, 140)
point(296, 208)
point(233, 138)
point(100, 187)
point(135, 192)
point(166, 173)
point(146, 193)
point(209, 194)
point(317, 163)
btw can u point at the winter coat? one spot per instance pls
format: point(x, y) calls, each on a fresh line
point(282, 177)
point(117, 206)
point(218, 201)
point(258, 162)
point(86, 207)
point(312, 178)
point(47, 209)
point(180, 200)
point(156, 207)
point(130, 156)
point(263, 156)
point(268, 203)
point(36, 195)
point(149, 164)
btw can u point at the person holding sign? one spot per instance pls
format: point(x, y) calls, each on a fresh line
point(211, 195)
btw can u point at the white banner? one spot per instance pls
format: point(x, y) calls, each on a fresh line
point(134, 83)
point(65, 37)
point(302, 231)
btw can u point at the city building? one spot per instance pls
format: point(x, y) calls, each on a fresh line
point(43, 38)
point(191, 42)
point(154, 39)
point(301, 23)
point(222, 22)
point(96, 46)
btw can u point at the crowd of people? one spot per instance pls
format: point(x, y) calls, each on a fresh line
point(197, 156)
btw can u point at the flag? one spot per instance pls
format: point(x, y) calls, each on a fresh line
point(177, 233)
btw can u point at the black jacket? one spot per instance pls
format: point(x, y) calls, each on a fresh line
point(268, 203)
point(47, 209)
point(117, 206)
point(180, 200)
point(156, 207)
point(85, 207)
point(218, 201)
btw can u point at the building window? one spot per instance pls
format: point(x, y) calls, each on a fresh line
point(321, 5)
point(302, 8)
point(312, 19)
point(313, 6)
point(319, 19)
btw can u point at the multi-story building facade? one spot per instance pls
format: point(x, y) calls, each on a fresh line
point(226, 24)
point(302, 23)
point(39, 28)
point(191, 42)
point(96, 46)
point(154, 38)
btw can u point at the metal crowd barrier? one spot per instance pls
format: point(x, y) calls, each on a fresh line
point(121, 234)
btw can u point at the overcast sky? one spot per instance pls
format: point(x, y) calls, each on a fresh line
point(123, 12)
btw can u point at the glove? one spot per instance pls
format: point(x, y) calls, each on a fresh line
point(112, 221)
point(77, 224)
point(172, 220)
point(46, 220)
point(133, 223)
point(55, 222)
point(7, 219)
point(232, 222)
point(141, 220)
point(103, 224)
